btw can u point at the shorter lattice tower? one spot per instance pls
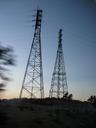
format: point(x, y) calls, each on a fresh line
point(32, 86)
point(59, 81)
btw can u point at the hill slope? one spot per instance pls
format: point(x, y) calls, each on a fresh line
point(46, 113)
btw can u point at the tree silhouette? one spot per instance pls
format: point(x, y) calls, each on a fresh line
point(6, 59)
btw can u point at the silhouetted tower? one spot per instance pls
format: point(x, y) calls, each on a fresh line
point(32, 85)
point(59, 81)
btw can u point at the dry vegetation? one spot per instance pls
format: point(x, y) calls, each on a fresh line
point(47, 113)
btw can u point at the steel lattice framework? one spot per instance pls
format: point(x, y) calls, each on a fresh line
point(59, 81)
point(32, 86)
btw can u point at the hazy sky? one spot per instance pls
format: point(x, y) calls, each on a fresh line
point(77, 18)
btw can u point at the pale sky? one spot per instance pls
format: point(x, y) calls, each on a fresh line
point(77, 18)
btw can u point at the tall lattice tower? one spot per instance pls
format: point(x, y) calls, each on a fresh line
point(32, 86)
point(59, 81)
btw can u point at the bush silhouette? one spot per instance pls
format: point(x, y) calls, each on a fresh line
point(92, 100)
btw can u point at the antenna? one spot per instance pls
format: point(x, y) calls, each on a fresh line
point(59, 80)
point(32, 85)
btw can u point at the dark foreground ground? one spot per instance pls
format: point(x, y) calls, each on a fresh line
point(47, 113)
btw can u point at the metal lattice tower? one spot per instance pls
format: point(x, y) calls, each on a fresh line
point(59, 81)
point(32, 86)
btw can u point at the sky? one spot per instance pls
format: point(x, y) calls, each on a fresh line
point(77, 18)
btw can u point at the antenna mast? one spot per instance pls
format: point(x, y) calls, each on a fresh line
point(59, 81)
point(32, 85)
